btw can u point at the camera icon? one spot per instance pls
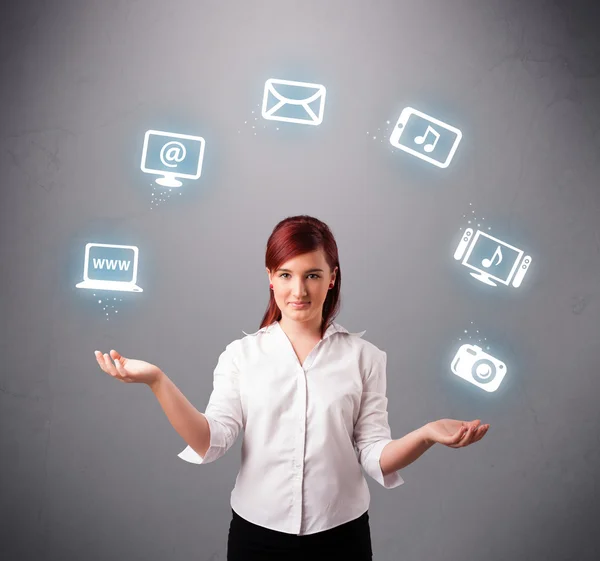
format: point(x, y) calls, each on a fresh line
point(476, 366)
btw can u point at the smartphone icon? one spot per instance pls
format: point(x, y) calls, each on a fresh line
point(425, 137)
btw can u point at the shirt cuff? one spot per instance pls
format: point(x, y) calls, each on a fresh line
point(216, 449)
point(389, 481)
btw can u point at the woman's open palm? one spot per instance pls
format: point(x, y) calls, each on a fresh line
point(456, 434)
point(128, 370)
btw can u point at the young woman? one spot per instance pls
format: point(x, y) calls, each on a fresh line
point(311, 398)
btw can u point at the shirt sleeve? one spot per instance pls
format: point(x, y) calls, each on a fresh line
point(372, 431)
point(223, 412)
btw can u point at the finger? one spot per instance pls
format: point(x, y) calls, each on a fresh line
point(101, 361)
point(450, 440)
point(478, 433)
point(481, 432)
point(468, 435)
point(110, 367)
point(117, 358)
point(118, 365)
point(460, 434)
point(458, 440)
point(120, 369)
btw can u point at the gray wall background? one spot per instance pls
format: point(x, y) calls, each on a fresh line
point(89, 466)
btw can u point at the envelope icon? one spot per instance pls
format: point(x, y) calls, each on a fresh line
point(293, 102)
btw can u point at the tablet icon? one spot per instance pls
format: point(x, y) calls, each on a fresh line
point(492, 260)
point(172, 156)
point(425, 137)
point(110, 267)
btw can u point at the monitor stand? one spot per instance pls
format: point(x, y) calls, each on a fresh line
point(484, 277)
point(169, 180)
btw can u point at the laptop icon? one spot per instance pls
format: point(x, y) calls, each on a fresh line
point(110, 267)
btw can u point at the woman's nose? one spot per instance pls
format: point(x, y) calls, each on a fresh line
point(299, 289)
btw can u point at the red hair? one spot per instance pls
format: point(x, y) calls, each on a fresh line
point(295, 236)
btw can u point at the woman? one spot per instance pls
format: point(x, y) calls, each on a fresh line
point(311, 398)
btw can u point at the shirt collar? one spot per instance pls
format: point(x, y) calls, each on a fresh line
point(333, 328)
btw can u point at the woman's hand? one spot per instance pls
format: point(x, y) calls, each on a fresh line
point(455, 434)
point(128, 370)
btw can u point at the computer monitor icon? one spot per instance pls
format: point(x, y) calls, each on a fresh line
point(172, 156)
point(110, 267)
point(493, 260)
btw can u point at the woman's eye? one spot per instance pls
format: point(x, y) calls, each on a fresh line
point(310, 275)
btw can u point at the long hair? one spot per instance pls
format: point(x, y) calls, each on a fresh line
point(294, 236)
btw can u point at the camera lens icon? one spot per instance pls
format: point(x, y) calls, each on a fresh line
point(478, 367)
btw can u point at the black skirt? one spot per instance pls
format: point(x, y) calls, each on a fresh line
point(348, 542)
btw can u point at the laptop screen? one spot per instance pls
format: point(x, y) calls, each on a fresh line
point(111, 263)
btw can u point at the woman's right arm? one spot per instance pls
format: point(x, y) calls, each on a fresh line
point(191, 425)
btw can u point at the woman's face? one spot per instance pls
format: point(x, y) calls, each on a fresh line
point(305, 278)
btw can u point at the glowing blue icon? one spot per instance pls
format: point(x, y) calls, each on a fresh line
point(110, 267)
point(492, 259)
point(172, 155)
point(478, 367)
point(425, 137)
point(293, 102)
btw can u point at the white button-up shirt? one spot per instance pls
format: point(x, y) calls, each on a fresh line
point(307, 427)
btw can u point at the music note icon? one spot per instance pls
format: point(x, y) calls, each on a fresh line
point(489, 262)
point(430, 146)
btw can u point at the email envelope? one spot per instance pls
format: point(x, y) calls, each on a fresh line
point(293, 102)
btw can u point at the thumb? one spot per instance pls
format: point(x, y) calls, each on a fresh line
point(455, 439)
point(115, 355)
